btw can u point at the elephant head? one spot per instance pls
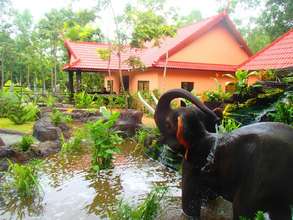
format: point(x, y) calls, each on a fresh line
point(166, 118)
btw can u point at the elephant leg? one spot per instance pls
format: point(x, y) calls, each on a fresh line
point(280, 212)
point(191, 199)
point(242, 208)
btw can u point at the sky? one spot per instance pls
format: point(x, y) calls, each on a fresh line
point(39, 7)
point(208, 8)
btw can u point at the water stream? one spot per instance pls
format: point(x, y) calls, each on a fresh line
point(70, 191)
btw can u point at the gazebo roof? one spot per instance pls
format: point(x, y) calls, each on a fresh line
point(277, 55)
point(84, 55)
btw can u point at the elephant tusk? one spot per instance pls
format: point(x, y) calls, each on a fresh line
point(154, 98)
point(148, 107)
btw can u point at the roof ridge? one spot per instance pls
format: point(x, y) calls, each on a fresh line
point(266, 48)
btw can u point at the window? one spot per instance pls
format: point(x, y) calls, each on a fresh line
point(143, 86)
point(189, 86)
point(110, 86)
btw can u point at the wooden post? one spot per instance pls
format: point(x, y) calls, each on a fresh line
point(70, 83)
point(78, 81)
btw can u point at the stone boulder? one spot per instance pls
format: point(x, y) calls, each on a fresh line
point(46, 148)
point(1, 142)
point(44, 130)
point(129, 122)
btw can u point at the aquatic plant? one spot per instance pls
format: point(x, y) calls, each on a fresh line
point(105, 141)
point(74, 144)
point(83, 100)
point(147, 210)
point(22, 179)
point(25, 142)
point(228, 125)
point(59, 117)
point(143, 133)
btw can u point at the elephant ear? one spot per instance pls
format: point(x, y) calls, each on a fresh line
point(180, 136)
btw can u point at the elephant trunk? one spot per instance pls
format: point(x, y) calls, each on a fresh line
point(163, 108)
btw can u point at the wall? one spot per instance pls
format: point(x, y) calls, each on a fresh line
point(203, 80)
point(217, 46)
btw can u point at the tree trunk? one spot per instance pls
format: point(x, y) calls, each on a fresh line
point(28, 77)
point(2, 71)
point(120, 72)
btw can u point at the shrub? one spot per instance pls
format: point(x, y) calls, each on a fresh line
point(240, 81)
point(216, 96)
point(83, 100)
point(19, 115)
point(148, 210)
point(58, 117)
point(7, 101)
point(283, 113)
point(105, 141)
point(26, 142)
point(22, 179)
point(228, 125)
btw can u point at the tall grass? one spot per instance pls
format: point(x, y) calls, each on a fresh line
point(147, 210)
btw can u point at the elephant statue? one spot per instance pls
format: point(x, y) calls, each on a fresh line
point(252, 166)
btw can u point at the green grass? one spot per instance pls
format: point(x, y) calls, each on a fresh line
point(27, 128)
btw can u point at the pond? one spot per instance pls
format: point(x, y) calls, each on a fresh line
point(70, 191)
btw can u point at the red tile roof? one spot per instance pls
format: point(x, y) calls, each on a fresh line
point(277, 55)
point(85, 56)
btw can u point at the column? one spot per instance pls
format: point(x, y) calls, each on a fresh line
point(78, 81)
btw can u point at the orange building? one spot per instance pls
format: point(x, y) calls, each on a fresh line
point(191, 59)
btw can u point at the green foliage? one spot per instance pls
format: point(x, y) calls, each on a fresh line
point(26, 142)
point(22, 179)
point(49, 100)
point(147, 210)
point(259, 216)
point(74, 144)
point(83, 100)
point(216, 96)
point(241, 81)
point(7, 101)
point(105, 141)
point(19, 115)
point(143, 133)
point(283, 113)
point(59, 117)
point(228, 125)
point(104, 54)
point(148, 26)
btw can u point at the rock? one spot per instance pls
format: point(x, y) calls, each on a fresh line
point(129, 121)
point(44, 149)
point(1, 142)
point(44, 130)
point(6, 152)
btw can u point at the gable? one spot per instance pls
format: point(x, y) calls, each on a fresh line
point(216, 46)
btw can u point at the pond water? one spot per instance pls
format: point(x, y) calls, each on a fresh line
point(70, 191)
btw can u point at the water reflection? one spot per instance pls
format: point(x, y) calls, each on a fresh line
point(19, 208)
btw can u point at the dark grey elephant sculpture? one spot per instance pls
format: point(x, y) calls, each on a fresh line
point(252, 166)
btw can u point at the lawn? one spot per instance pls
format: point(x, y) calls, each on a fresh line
point(5, 123)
